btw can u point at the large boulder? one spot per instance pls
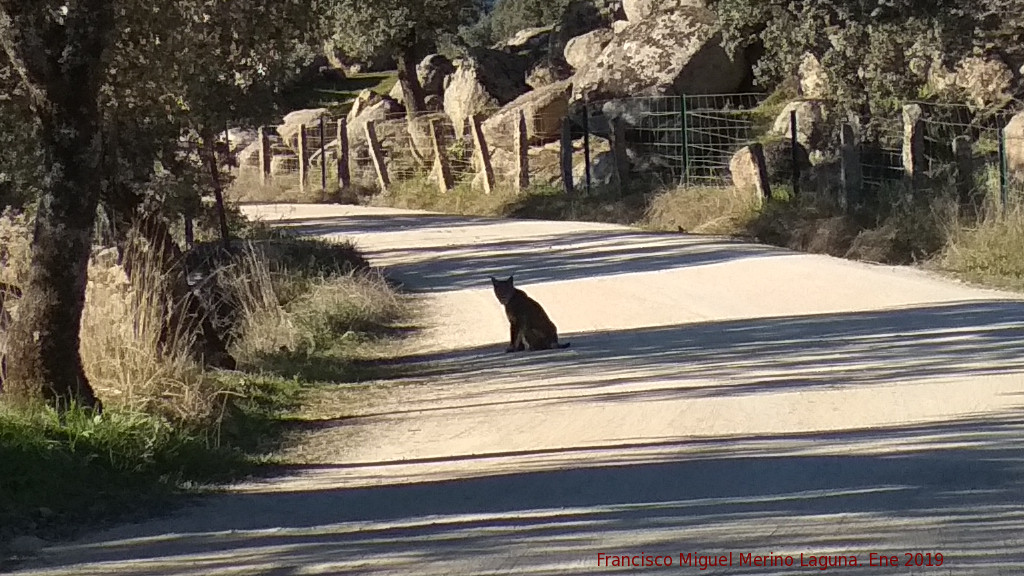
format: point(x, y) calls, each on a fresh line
point(813, 78)
point(544, 110)
point(432, 72)
point(637, 10)
point(528, 41)
point(547, 72)
point(293, 121)
point(1015, 145)
point(811, 123)
point(586, 48)
point(482, 83)
point(678, 52)
point(982, 82)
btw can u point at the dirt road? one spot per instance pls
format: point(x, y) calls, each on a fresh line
point(718, 398)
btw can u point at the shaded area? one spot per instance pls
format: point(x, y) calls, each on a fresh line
point(745, 357)
point(539, 257)
point(709, 497)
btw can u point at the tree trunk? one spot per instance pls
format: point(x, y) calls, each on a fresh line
point(412, 92)
point(59, 58)
point(185, 317)
point(209, 153)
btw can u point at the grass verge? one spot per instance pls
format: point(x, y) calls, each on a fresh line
point(296, 311)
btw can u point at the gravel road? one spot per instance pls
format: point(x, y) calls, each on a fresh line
point(719, 398)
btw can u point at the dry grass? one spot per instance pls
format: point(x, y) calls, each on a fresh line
point(121, 327)
point(718, 211)
point(988, 252)
point(422, 193)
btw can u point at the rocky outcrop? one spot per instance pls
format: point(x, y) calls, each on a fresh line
point(811, 123)
point(543, 109)
point(483, 82)
point(289, 128)
point(586, 48)
point(637, 10)
point(547, 72)
point(1015, 145)
point(432, 72)
point(982, 82)
point(678, 52)
point(813, 78)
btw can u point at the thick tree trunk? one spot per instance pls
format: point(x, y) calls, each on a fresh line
point(412, 92)
point(59, 57)
point(209, 153)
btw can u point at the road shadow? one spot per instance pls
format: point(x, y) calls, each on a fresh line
point(741, 357)
point(957, 494)
point(533, 257)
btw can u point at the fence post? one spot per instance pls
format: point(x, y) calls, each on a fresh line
point(264, 154)
point(522, 153)
point(444, 172)
point(483, 155)
point(683, 113)
point(913, 145)
point(794, 150)
point(227, 148)
point(586, 142)
point(303, 145)
point(963, 153)
point(344, 177)
point(850, 172)
point(377, 155)
point(566, 156)
point(1004, 172)
point(621, 159)
point(323, 158)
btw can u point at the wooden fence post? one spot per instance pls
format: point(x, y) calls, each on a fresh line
point(323, 156)
point(914, 162)
point(377, 155)
point(619, 155)
point(522, 154)
point(962, 151)
point(850, 172)
point(303, 150)
point(265, 155)
point(344, 176)
point(482, 154)
point(566, 156)
point(794, 149)
point(441, 167)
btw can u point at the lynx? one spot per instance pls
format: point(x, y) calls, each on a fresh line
point(530, 325)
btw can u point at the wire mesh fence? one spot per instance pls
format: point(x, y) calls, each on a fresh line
point(673, 140)
point(646, 142)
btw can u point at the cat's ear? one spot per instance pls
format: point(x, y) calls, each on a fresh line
point(510, 279)
point(493, 279)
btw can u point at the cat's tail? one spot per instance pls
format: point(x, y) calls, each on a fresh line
point(563, 345)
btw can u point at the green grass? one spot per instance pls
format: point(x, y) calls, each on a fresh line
point(312, 312)
point(337, 94)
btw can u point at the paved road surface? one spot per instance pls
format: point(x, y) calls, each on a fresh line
point(718, 397)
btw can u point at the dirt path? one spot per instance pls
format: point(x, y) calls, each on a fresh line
point(718, 397)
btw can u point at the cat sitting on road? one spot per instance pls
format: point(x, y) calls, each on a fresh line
point(530, 325)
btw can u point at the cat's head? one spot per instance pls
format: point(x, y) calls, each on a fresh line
point(503, 289)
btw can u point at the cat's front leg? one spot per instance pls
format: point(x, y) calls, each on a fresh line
point(513, 338)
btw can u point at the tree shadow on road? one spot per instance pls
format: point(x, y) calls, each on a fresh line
point(743, 357)
point(534, 256)
point(957, 493)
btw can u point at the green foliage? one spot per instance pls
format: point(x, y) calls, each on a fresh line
point(511, 16)
point(874, 51)
point(365, 30)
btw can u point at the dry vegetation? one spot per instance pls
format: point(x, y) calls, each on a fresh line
point(306, 311)
point(898, 227)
